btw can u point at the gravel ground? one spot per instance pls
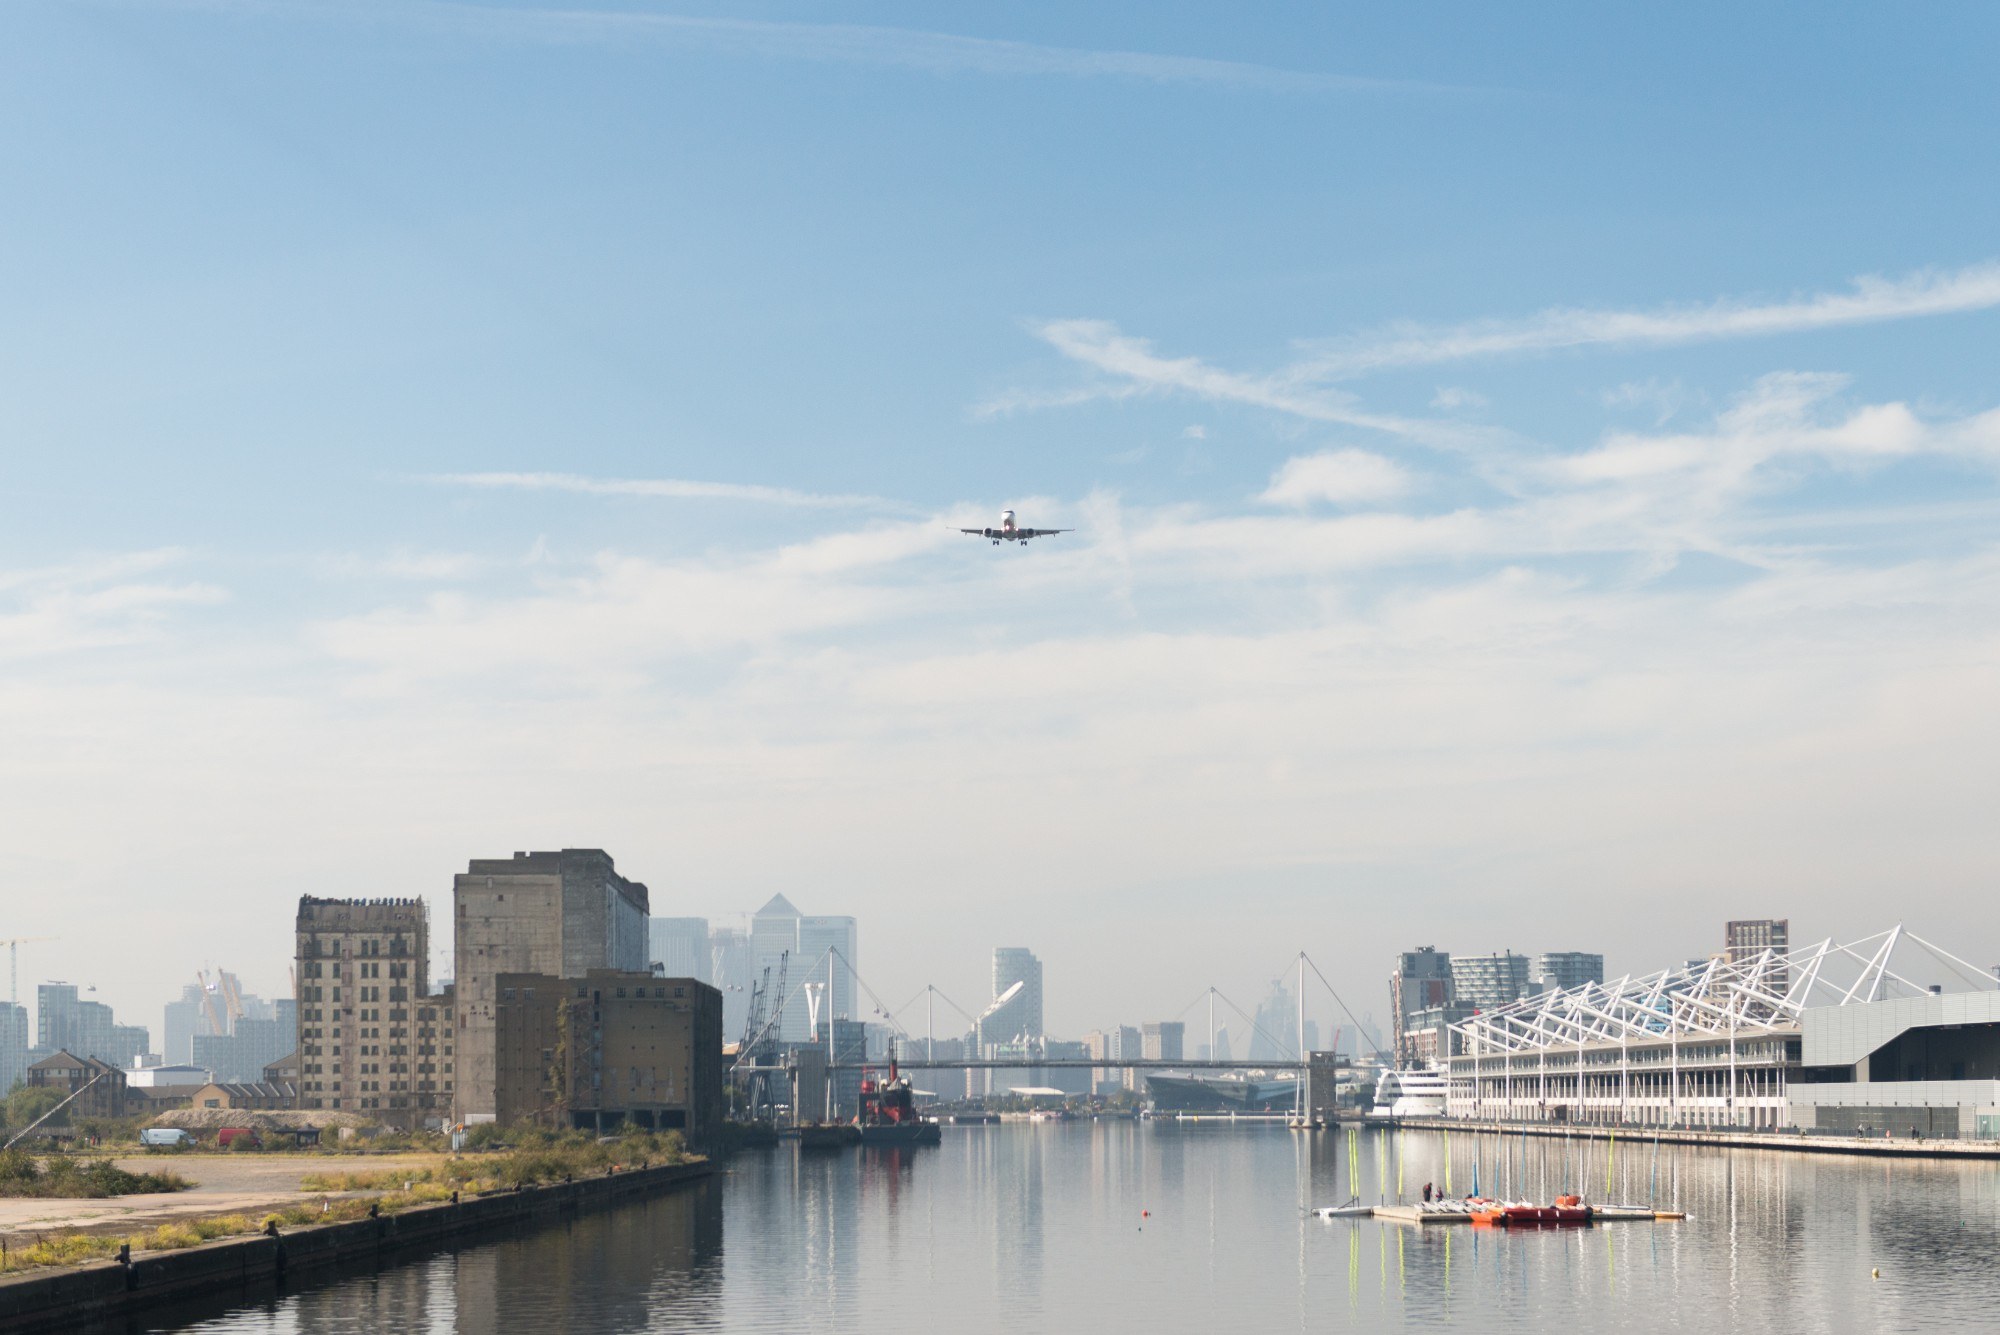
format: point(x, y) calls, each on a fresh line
point(224, 1184)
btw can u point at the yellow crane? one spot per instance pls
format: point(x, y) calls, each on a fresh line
point(14, 945)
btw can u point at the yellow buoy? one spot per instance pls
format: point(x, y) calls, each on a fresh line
point(1875, 1273)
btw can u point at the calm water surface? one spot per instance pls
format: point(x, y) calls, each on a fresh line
point(1153, 1227)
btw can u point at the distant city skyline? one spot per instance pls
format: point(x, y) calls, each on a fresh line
point(1473, 981)
point(1478, 520)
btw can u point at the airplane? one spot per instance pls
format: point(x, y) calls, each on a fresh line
point(1007, 532)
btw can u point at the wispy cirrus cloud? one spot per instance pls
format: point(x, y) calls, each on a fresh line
point(94, 603)
point(1130, 367)
point(1127, 366)
point(1870, 300)
point(879, 46)
point(665, 488)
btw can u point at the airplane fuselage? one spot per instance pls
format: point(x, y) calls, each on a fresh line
point(1009, 531)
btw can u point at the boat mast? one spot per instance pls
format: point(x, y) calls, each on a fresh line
point(1299, 1093)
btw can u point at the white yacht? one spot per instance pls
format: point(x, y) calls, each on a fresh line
point(1409, 1094)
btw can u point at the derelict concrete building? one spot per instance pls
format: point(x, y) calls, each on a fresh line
point(560, 914)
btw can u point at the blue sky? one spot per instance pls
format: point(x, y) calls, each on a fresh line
point(1534, 473)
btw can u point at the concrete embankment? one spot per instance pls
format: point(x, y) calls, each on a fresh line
point(59, 1299)
point(1900, 1147)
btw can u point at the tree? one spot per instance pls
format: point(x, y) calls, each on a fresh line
point(29, 1102)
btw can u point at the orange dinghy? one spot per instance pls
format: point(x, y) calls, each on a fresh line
point(1566, 1210)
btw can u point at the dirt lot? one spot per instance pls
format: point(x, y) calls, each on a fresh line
point(224, 1184)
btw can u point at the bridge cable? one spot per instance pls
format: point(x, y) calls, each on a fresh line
point(1255, 1028)
point(1361, 1028)
point(862, 983)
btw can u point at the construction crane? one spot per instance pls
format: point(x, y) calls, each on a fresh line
point(221, 1019)
point(14, 963)
point(232, 996)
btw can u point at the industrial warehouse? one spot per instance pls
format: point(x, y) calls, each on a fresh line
point(1890, 1033)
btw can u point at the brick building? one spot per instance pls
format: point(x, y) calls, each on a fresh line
point(612, 1046)
point(103, 1084)
point(365, 1010)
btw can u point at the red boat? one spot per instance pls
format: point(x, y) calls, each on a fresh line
point(1566, 1210)
point(889, 1114)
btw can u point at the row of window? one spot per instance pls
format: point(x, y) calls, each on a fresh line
point(330, 944)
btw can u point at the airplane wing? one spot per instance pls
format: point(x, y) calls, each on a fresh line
point(1041, 532)
point(982, 532)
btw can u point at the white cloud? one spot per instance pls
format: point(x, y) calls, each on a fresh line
point(837, 43)
point(94, 603)
point(1337, 477)
point(1195, 432)
point(1783, 415)
point(1131, 368)
point(1170, 705)
point(1454, 398)
point(661, 488)
point(1870, 300)
point(1127, 366)
point(406, 564)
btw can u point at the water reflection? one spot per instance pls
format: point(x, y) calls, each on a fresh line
point(1162, 1227)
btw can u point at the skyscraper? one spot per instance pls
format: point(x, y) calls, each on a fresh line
point(1164, 1040)
point(821, 949)
point(1128, 1044)
point(1019, 1015)
point(1746, 939)
point(183, 1020)
point(13, 1045)
point(83, 1028)
point(680, 947)
point(1421, 984)
point(774, 945)
point(1560, 970)
point(730, 968)
point(1275, 1034)
point(1488, 982)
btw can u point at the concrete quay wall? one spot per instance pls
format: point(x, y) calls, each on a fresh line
point(1900, 1146)
point(59, 1299)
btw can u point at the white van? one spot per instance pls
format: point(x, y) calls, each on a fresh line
point(165, 1138)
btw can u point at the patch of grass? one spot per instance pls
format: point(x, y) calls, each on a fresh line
point(58, 1176)
point(537, 1157)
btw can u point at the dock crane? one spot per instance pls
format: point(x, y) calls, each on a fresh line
point(14, 945)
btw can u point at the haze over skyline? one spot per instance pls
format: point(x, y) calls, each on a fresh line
point(1529, 493)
